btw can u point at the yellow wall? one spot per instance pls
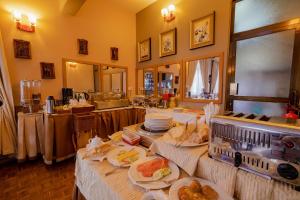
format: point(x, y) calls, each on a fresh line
point(101, 22)
point(150, 23)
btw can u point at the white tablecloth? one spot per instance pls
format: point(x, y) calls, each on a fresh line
point(30, 135)
point(94, 185)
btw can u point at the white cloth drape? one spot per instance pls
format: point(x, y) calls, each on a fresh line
point(197, 84)
point(204, 63)
point(191, 70)
point(8, 135)
point(215, 76)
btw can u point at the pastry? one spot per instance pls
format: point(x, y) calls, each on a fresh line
point(201, 135)
point(197, 192)
point(209, 193)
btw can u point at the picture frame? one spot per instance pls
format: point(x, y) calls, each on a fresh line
point(22, 49)
point(176, 79)
point(202, 31)
point(114, 53)
point(168, 43)
point(47, 70)
point(83, 46)
point(144, 50)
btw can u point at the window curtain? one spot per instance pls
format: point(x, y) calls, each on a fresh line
point(197, 85)
point(191, 70)
point(8, 134)
point(204, 73)
point(215, 77)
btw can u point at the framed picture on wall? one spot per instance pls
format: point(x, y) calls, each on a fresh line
point(47, 70)
point(22, 49)
point(114, 53)
point(144, 50)
point(83, 46)
point(168, 43)
point(202, 31)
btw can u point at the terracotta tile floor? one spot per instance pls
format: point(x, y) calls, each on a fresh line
point(34, 180)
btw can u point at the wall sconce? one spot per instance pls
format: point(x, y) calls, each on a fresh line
point(168, 13)
point(24, 22)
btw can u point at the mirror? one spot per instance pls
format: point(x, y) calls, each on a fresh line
point(140, 81)
point(82, 77)
point(149, 81)
point(203, 79)
point(114, 79)
point(145, 81)
point(168, 79)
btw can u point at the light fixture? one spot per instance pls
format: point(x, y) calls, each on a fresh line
point(168, 13)
point(24, 22)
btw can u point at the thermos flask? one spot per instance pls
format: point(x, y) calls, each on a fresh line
point(50, 105)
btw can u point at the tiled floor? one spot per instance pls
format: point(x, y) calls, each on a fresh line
point(34, 180)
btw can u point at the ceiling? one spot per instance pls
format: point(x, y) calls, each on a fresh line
point(68, 6)
point(133, 5)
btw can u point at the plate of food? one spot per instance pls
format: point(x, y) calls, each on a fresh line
point(179, 136)
point(192, 188)
point(153, 172)
point(125, 156)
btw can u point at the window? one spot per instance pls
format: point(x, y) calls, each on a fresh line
point(264, 46)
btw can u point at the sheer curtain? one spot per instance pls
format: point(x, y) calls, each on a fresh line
point(215, 76)
point(191, 69)
point(8, 135)
point(198, 82)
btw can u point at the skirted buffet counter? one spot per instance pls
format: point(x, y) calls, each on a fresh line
point(59, 129)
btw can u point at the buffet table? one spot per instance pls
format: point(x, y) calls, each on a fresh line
point(93, 185)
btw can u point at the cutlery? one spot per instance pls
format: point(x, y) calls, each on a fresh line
point(114, 170)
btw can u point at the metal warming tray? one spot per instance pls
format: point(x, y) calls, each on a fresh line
point(265, 147)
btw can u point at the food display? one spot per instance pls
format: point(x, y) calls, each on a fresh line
point(180, 135)
point(193, 188)
point(127, 157)
point(153, 172)
point(195, 191)
point(116, 137)
point(201, 135)
point(97, 152)
point(157, 167)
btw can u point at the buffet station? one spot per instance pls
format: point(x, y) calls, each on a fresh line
point(220, 157)
point(155, 144)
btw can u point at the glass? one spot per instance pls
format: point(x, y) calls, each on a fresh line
point(263, 65)
point(202, 79)
point(30, 93)
point(251, 14)
point(168, 79)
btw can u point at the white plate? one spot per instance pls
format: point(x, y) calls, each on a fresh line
point(173, 192)
point(155, 195)
point(112, 155)
point(168, 139)
point(134, 175)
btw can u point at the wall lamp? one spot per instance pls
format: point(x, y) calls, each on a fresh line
point(24, 22)
point(168, 13)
